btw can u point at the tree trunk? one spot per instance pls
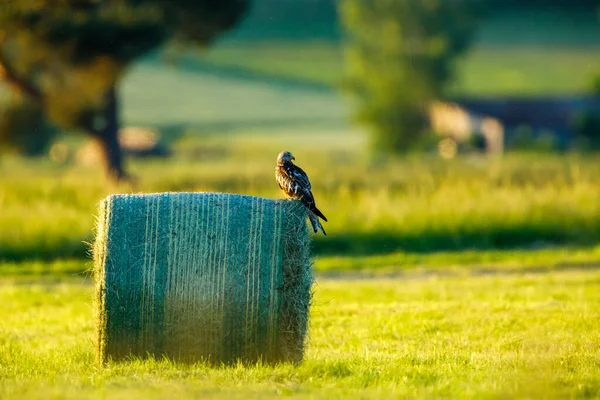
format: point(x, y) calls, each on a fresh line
point(108, 137)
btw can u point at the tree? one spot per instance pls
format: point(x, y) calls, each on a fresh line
point(23, 127)
point(69, 55)
point(400, 56)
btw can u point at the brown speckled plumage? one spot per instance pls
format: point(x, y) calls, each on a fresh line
point(294, 182)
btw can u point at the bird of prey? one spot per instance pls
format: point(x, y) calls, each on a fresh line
point(294, 183)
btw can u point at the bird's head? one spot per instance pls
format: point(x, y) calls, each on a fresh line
point(285, 156)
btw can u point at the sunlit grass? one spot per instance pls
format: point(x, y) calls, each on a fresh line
point(523, 335)
point(415, 205)
point(494, 286)
point(477, 261)
point(313, 62)
point(517, 69)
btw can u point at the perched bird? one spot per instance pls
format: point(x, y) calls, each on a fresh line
point(293, 181)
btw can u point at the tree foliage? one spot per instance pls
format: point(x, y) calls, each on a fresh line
point(68, 55)
point(400, 57)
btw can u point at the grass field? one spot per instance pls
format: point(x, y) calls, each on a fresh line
point(407, 209)
point(488, 336)
point(469, 278)
point(489, 69)
point(530, 51)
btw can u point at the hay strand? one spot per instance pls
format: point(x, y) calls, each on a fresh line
point(202, 276)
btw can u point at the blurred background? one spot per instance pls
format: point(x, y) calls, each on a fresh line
point(434, 132)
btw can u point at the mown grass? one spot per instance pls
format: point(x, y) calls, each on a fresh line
point(489, 69)
point(414, 206)
point(318, 62)
point(478, 262)
point(489, 336)
point(526, 51)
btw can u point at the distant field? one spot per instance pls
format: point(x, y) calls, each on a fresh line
point(407, 209)
point(229, 114)
point(526, 51)
point(526, 70)
point(519, 69)
point(465, 337)
point(312, 62)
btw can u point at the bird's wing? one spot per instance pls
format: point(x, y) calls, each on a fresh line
point(307, 196)
point(295, 183)
point(302, 184)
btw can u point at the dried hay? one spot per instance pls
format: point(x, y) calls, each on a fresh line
point(202, 276)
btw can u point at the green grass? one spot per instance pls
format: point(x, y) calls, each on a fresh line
point(523, 70)
point(506, 261)
point(312, 62)
point(489, 336)
point(525, 51)
point(470, 278)
point(501, 69)
point(383, 265)
point(410, 207)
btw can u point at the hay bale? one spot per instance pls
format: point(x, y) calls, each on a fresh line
point(202, 276)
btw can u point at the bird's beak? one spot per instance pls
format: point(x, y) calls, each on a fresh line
point(293, 158)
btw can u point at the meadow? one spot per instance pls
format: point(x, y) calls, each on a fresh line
point(530, 51)
point(489, 69)
point(468, 278)
point(523, 335)
point(406, 211)
point(474, 277)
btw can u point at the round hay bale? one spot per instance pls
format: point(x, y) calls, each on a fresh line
point(202, 276)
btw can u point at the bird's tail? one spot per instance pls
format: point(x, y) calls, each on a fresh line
point(316, 224)
point(318, 213)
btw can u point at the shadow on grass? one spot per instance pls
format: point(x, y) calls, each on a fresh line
point(418, 272)
point(356, 244)
point(66, 249)
point(58, 269)
point(175, 131)
point(231, 72)
point(381, 243)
